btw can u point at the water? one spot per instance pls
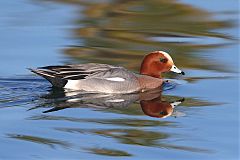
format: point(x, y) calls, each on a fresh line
point(38, 122)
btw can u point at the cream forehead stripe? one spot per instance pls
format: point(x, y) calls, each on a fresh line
point(166, 55)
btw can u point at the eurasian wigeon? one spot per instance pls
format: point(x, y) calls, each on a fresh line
point(104, 78)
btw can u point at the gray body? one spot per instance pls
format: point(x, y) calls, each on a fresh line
point(91, 77)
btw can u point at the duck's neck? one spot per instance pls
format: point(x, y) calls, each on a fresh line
point(150, 69)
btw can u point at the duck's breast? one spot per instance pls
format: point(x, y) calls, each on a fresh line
point(148, 83)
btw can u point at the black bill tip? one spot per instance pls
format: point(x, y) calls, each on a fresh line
point(182, 73)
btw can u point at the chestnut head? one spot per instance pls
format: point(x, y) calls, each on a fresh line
point(158, 62)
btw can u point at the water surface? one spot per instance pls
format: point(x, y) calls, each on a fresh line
point(38, 122)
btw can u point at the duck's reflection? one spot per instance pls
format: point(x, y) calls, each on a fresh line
point(151, 102)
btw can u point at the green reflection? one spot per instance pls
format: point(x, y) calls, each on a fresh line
point(108, 152)
point(192, 102)
point(46, 141)
point(122, 32)
point(135, 137)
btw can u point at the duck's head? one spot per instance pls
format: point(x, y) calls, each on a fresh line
point(158, 62)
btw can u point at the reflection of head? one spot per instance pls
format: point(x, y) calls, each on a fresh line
point(157, 108)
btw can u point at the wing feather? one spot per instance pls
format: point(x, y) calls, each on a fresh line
point(80, 71)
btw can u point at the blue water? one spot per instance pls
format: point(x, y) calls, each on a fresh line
point(83, 126)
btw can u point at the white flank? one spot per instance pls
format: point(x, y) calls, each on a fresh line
point(117, 79)
point(72, 84)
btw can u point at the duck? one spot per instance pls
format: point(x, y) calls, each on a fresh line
point(105, 78)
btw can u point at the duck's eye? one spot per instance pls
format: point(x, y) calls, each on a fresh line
point(163, 60)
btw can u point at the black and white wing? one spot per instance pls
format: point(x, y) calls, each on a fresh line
point(59, 75)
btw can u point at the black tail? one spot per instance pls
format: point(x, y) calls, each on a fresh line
point(51, 77)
